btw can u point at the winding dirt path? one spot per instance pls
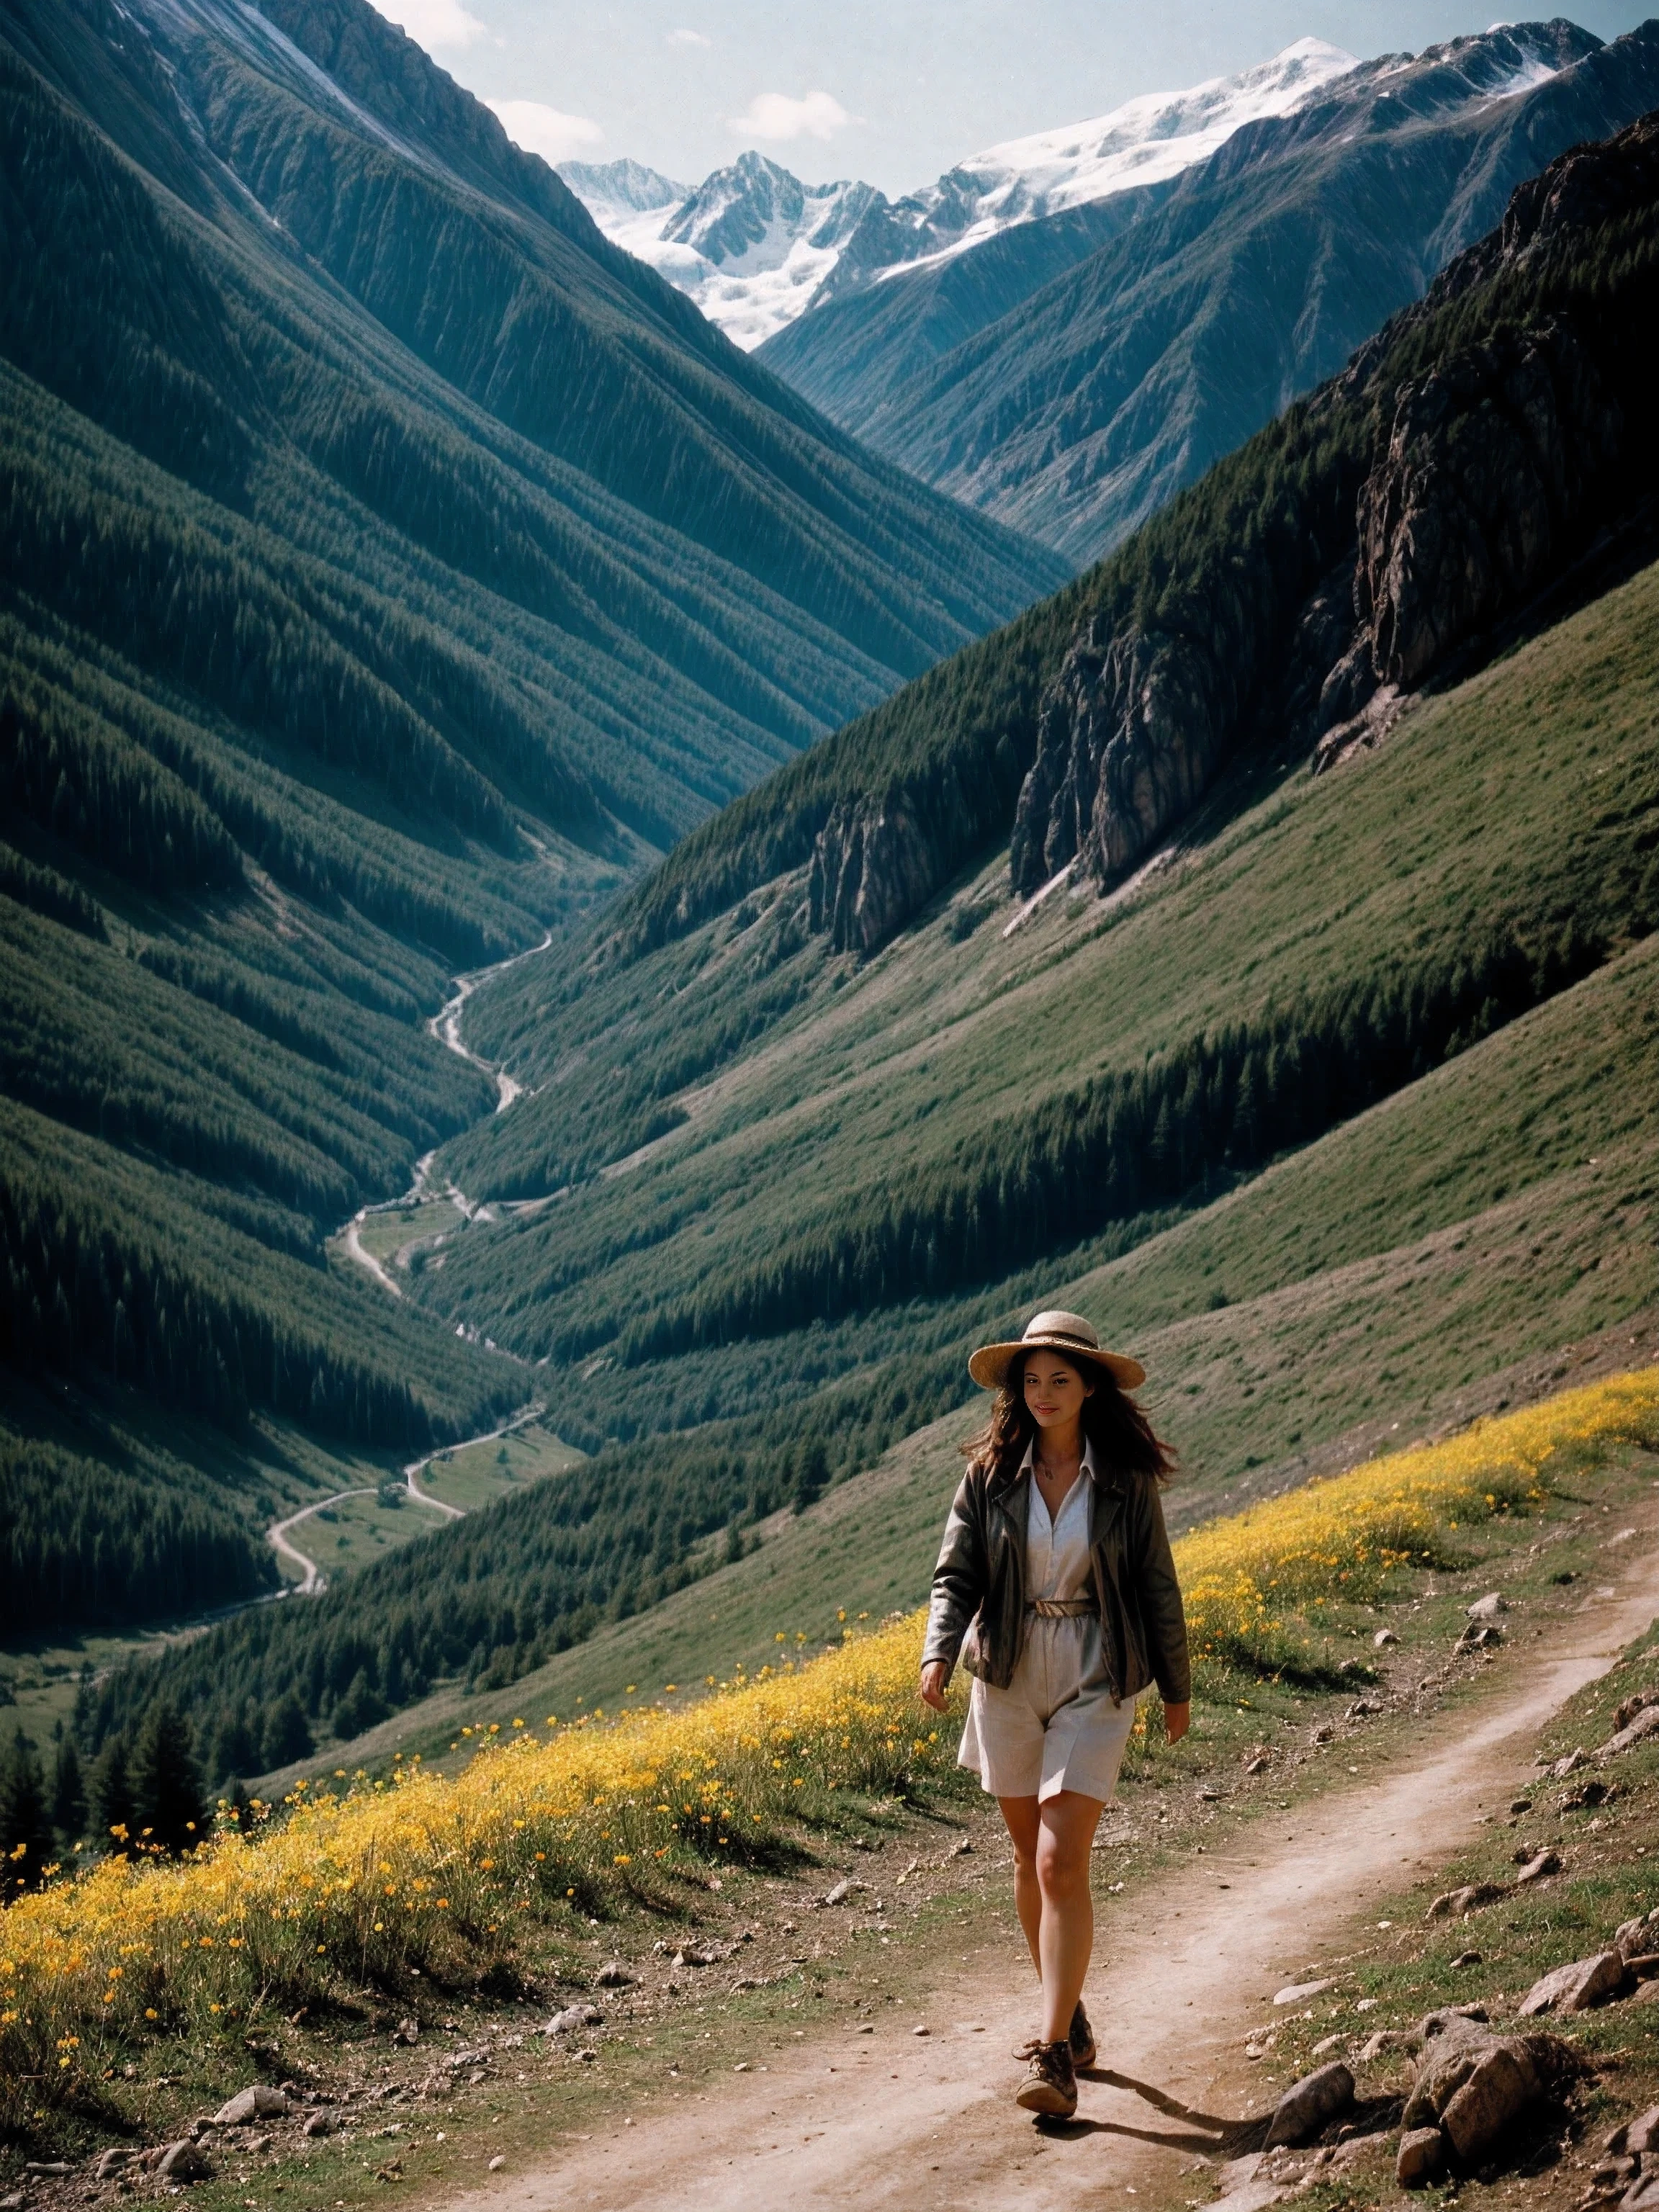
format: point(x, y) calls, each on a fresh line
point(445, 1027)
point(277, 1537)
point(519, 1420)
point(895, 2120)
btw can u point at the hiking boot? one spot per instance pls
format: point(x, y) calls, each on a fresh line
point(1050, 2087)
point(1081, 2040)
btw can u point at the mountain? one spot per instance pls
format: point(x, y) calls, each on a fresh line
point(1334, 1087)
point(1069, 374)
point(756, 248)
point(392, 567)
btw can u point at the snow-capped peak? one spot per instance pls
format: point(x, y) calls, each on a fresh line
point(1143, 143)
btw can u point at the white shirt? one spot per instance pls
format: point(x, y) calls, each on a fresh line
point(1057, 1563)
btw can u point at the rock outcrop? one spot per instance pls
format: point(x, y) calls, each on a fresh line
point(1490, 473)
point(871, 868)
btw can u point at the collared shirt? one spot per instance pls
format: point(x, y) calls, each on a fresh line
point(1057, 1561)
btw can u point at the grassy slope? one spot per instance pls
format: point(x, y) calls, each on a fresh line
point(1483, 810)
point(1376, 1281)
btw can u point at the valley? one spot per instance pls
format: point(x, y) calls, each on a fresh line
point(574, 930)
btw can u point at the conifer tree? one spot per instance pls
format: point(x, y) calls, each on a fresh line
point(26, 1842)
point(167, 1786)
point(114, 1811)
point(68, 1796)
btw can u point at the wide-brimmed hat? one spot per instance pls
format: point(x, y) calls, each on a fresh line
point(1054, 1332)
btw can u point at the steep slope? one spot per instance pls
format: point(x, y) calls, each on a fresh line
point(1075, 401)
point(392, 567)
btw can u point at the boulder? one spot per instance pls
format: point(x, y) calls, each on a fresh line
point(182, 2161)
point(572, 2017)
point(1421, 2157)
point(1576, 1987)
point(259, 2102)
point(1299, 1992)
point(1310, 2105)
point(1452, 2048)
point(1487, 1607)
point(1636, 1938)
point(1492, 2100)
point(1642, 2196)
point(1633, 1706)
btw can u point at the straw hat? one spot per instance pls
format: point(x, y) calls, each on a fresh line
point(1054, 1332)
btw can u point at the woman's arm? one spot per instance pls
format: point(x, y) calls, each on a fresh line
point(958, 1589)
point(1162, 1613)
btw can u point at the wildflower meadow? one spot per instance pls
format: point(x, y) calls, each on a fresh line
point(379, 1884)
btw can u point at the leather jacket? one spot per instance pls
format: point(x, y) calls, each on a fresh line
point(977, 1614)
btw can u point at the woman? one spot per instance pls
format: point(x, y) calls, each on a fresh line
point(1055, 1589)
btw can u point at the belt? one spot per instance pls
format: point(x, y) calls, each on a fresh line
point(1063, 1608)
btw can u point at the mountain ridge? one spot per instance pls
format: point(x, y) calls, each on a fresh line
point(1077, 398)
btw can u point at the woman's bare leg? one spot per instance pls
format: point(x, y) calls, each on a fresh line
point(1025, 1827)
point(1052, 1840)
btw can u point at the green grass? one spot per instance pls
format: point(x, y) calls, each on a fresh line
point(1472, 823)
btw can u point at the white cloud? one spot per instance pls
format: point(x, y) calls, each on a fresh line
point(545, 130)
point(774, 115)
point(435, 22)
point(688, 38)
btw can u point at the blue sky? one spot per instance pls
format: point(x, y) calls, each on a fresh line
point(890, 90)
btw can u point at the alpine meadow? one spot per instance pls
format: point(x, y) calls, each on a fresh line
point(577, 931)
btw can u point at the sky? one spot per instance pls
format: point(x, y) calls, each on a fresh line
point(893, 91)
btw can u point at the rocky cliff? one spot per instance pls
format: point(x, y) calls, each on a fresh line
point(871, 868)
point(1489, 471)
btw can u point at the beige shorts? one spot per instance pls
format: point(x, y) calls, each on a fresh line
point(1054, 1727)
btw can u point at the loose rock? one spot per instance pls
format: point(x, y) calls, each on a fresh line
point(613, 1975)
point(1303, 2111)
point(1576, 1987)
point(1644, 1724)
point(182, 2161)
point(1487, 1607)
point(1384, 1638)
point(1539, 1869)
point(1299, 1992)
point(317, 2123)
point(572, 2017)
point(1456, 1904)
point(259, 2102)
point(1421, 2156)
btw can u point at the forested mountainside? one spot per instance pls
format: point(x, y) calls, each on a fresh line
point(1290, 1103)
point(1072, 374)
point(390, 567)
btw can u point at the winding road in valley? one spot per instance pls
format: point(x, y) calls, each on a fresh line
point(446, 1027)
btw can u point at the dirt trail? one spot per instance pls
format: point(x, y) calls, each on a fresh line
point(846, 2121)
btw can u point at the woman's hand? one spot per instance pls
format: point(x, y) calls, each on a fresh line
point(934, 1676)
point(1177, 1719)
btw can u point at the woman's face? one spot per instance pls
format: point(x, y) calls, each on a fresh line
point(1054, 1390)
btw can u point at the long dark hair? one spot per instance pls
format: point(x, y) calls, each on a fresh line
point(1124, 1440)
